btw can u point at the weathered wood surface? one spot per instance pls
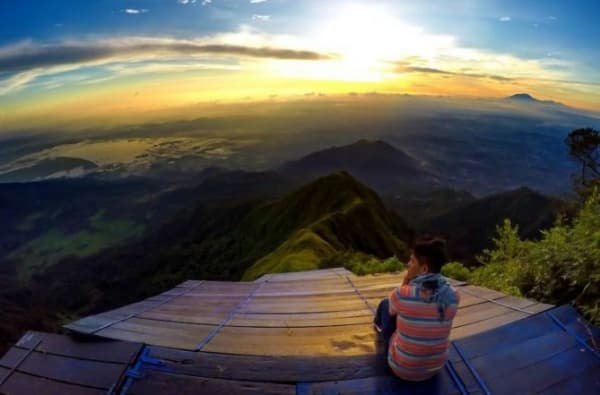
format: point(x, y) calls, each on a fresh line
point(280, 369)
point(25, 384)
point(236, 317)
point(160, 383)
point(49, 363)
point(309, 333)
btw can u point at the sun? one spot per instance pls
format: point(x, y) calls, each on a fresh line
point(367, 41)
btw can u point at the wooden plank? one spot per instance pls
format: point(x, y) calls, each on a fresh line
point(95, 348)
point(539, 307)
point(308, 316)
point(191, 318)
point(314, 346)
point(20, 383)
point(477, 313)
point(299, 308)
point(242, 332)
point(95, 374)
point(585, 382)
point(480, 292)
point(174, 340)
point(163, 333)
point(282, 369)
point(268, 292)
point(88, 324)
point(440, 384)
point(165, 383)
point(350, 340)
point(163, 327)
point(506, 358)
point(516, 302)
point(190, 284)
point(482, 326)
point(515, 333)
point(536, 377)
point(299, 321)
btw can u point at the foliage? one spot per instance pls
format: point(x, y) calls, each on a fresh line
point(456, 271)
point(562, 267)
point(584, 148)
point(49, 248)
point(363, 264)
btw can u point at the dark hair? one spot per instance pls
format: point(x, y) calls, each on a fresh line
point(431, 250)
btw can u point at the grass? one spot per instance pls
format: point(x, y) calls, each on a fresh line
point(54, 245)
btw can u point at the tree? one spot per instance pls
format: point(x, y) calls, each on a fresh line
point(584, 147)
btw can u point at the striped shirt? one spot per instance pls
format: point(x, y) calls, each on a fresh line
point(419, 346)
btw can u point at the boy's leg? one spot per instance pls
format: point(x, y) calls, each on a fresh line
point(385, 322)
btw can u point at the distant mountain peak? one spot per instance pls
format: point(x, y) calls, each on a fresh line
point(522, 96)
point(526, 97)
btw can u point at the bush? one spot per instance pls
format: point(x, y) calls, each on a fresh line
point(456, 271)
point(362, 264)
point(562, 267)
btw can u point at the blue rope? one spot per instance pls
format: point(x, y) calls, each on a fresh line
point(133, 373)
point(456, 378)
point(482, 385)
point(579, 339)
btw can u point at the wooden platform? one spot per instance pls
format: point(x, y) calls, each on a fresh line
point(303, 333)
point(318, 313)
point(45, 363)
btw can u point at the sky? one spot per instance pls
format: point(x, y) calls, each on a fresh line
point(92, 60)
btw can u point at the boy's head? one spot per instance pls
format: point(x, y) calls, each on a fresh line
point(428, 254)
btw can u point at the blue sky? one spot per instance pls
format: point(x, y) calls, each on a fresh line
point(65, 45)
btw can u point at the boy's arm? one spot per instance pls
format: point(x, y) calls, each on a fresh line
point(397, 297)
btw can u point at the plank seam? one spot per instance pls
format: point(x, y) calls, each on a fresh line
point(360, 295)
point(233, 311)
point(249, 326)
point(77, 358)
point(70, 383)
point(144, 310)
point(500, 303)
point(23, 358)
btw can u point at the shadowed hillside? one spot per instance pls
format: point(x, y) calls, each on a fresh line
point(376, 163)
point(228, 241)
point(471, 227)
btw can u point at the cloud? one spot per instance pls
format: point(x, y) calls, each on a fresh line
point(257, 1)
point(406, 67)
point(22, 63)
point(505, 19)
point(28, 55)
point(134, 11)
point(205, 2)
point(402, 67)
point(18, 81)
point(552, 18)
point(263, 18)
point(186, 1)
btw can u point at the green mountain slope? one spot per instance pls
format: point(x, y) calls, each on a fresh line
point(331, 215)
point(306, 228)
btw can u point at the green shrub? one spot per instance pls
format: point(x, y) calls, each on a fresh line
point(456, 271)
point(562, 267)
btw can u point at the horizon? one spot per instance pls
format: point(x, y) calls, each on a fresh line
point(62, 63)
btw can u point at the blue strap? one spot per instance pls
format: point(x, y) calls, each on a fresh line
point(482, 385)
point(456, 378)
point(578, 338)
